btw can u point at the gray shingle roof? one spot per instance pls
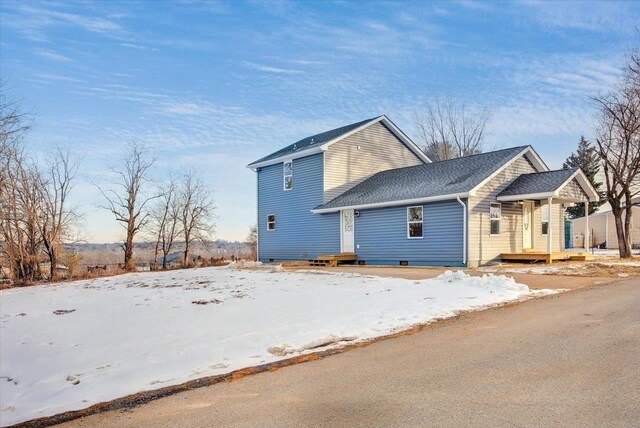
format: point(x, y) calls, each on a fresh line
point(539, 182)
point(423, 181)
point(313, 141)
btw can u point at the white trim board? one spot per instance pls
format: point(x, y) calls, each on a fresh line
point(392, 203)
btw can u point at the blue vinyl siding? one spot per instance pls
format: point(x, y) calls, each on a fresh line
point(299, 234)
point(381, 236)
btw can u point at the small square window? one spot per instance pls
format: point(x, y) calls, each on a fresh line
point(271, 222)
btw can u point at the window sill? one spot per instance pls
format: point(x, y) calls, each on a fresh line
point(415, 237)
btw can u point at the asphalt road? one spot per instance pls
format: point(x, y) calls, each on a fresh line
point(566, 360)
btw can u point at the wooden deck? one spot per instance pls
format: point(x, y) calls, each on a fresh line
point(539, 256)
point(332, 260)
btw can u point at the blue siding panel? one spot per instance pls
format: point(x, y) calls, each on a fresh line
point(381, 236)
point(299, 234)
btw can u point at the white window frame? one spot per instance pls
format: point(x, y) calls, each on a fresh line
point(542, 220)
point(409, 222)
point(285, 175)
point(271, 222)
point(499, 219)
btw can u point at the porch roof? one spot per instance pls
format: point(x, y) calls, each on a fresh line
point(542, 185)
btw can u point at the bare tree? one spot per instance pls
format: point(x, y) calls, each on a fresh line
point(57, 219)
point(619, 148)
point(252, 241)
point(127, 198)
point(448, 129)
point(13, 123)
point(20, 196)
point(20, 207)
point(197, 209)
point(165, 221)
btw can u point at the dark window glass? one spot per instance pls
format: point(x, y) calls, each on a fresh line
point(415, 230)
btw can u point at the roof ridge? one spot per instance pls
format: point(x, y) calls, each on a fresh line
point(574, 169)
point(449, 160)
point(483, 153)
point(361, 122)
point(308, 142)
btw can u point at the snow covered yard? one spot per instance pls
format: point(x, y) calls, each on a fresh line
point(70, 345)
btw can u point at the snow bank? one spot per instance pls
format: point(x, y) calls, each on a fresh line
point(70, 345)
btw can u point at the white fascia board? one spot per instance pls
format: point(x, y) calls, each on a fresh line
point(288, 157)
point(392, 203)
point(584, 183)
point(528, 151)
point(536, 196)
point(536, 160)
point(405, 139)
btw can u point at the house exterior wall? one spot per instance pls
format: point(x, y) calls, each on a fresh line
point(299, 234)
point(599, 229)
point(484, 247)
point(381, 236)
point(346, 165)
point(573, 191)
point(556, 216)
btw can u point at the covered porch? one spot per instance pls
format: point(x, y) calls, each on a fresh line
point(548, 192)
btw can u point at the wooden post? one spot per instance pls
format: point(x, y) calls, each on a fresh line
point(586, 226)
point(549, 229)
point(606, 230)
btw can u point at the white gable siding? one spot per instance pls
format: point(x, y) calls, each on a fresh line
point(360, 155)
point(573, 190)
point(484, 247)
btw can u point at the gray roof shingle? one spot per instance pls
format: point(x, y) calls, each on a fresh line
point(313, 141)
point(539, 182)
point(434, 179)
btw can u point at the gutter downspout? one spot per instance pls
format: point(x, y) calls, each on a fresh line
point(257, 214)
point(464, 231)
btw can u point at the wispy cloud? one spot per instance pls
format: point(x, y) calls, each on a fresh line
point(33, 22)
point(604, 17)
point(51, 55)
point(59, 78)
point(269, 69)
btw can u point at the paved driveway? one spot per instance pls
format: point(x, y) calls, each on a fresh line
point(566, 360)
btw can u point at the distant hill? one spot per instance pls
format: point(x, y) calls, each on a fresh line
point(111, 253)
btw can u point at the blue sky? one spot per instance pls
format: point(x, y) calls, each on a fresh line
point(215, 85)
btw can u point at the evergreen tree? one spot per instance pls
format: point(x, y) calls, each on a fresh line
point(587, 159)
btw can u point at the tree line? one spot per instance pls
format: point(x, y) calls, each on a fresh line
point(36, 217)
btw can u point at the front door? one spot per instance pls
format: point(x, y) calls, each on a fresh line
point(527, 225)
point(347, 238)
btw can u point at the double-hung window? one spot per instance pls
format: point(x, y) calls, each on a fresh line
point(415, 220)
point(271, 222)
point(495, 216)
point(288, 175)
point(545, 219)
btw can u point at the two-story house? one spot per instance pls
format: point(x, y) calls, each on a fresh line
point(366, 189)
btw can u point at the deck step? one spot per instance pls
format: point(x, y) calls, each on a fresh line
point(332, 260)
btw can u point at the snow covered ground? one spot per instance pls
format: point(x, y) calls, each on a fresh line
point(70, 345)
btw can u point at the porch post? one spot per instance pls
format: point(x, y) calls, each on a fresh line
point(549, 228)
point(586, 226)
